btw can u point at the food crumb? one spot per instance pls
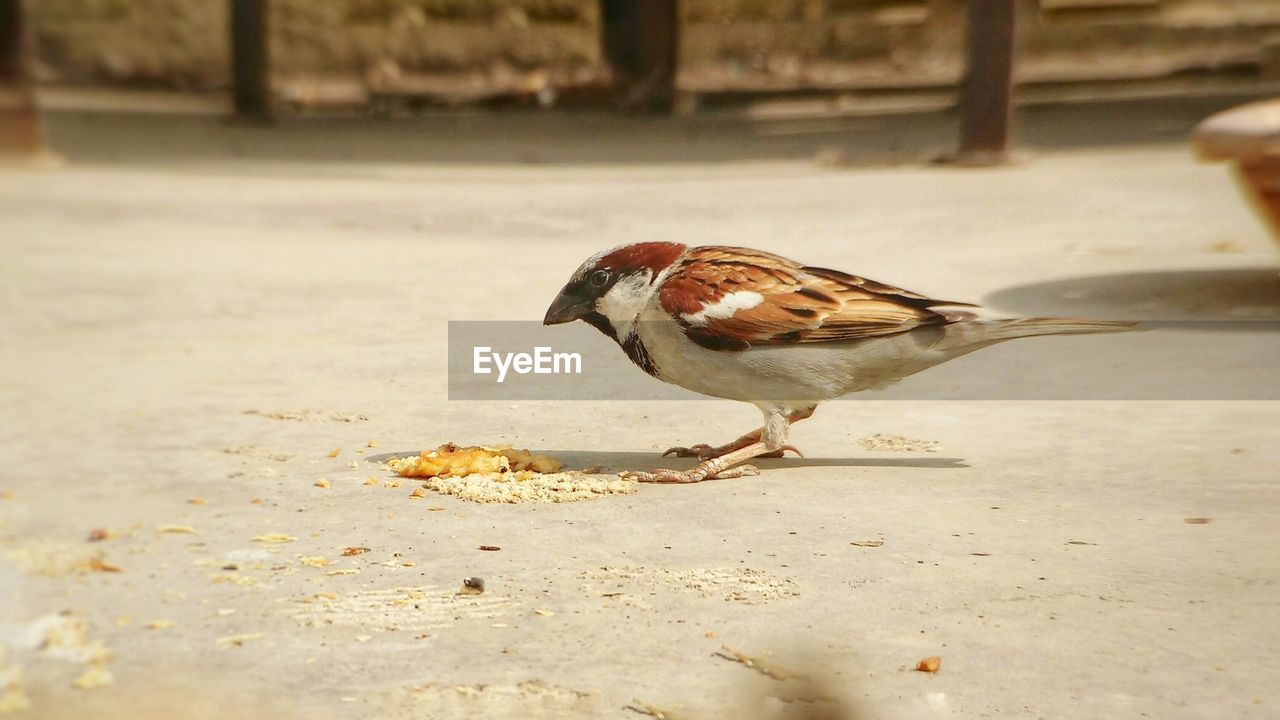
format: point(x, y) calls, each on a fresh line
point(274, 538)
point(483, 474)
point(372, 444)
point(451, 460)
point(322, 483)
point(868, 543)
point(95, 676)
point(160, 624)
point(897, 443)
point(197, 501)
point(348, 552)
point(929, 664)
point(335, 452)
point(175, 529)
point(238, 640)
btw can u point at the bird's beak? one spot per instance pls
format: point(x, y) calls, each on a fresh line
point(567, 307)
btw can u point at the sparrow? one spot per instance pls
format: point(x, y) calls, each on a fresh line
point(748, 325)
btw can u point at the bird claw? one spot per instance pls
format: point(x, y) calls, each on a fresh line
point(662, 475)
point(702, 451)
point(667, 476)
point(782, 451)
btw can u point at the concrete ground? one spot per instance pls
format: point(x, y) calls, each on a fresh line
point(1088, 559)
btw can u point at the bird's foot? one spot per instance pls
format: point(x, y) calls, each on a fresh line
point(697, 474)
point(703, 451)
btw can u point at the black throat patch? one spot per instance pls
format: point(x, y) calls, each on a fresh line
point(632, 346)
point(639, 355)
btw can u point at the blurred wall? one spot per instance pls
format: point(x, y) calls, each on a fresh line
point(762, 44)
point(725, 44)
point(183, 43)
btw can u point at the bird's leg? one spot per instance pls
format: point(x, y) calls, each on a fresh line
point(703, 451)
point(770, 439)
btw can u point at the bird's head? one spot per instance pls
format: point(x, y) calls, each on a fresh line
point(609, 289)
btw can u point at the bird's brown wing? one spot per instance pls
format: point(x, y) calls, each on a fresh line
point(735, 298)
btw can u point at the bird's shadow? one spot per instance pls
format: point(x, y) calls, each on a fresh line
point(614, 462)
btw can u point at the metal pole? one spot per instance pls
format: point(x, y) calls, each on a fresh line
point(251, 59)
point(640, 39)
point(988, 83)
point(21, 129)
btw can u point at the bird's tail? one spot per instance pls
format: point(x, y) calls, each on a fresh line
point(966, 334)
point(1029, 327)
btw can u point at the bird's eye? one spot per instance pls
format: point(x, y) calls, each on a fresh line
point(599, 278)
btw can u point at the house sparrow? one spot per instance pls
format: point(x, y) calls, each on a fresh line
point(748, 325)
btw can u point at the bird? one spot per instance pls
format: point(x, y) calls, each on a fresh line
point(752, 326)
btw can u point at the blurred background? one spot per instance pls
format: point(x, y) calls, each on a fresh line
point(234, 235)
point(797, 65)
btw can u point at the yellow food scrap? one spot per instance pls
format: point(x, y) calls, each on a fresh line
point(238, 640)
point(322, 483)
point(177, 529)
point(13, 696)
point(315, 561)
point(197, 501)
point(335, 452)
point(96, 676)
point(371, 480)
point(160, 624)
point(233, 578)
point(451, 460)
point(344, 571)
point(373, 443)
point(417, 494)
point(274, 538)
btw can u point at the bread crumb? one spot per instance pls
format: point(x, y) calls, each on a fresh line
point(160, 625)
point(897, 443)
point(315, 561)
point(177, 529)
point(197, 501)
point(452, 460)
point(322, 483)
point(238, 640)
point(929, 664)
point(335, 452)
point(96, 676)
point(274, 538)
